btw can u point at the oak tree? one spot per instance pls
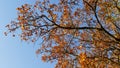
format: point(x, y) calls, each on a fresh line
point(75, 33)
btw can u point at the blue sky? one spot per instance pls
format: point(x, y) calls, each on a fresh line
point(15, 53)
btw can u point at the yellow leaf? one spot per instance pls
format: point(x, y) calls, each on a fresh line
point(50, 12)
point(54, 17)
point(22, 27)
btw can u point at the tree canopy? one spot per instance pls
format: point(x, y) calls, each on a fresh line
point(74, 33)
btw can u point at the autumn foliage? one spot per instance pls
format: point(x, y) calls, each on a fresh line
point(75, 33)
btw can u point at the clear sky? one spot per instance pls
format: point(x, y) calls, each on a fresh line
point(15, 53)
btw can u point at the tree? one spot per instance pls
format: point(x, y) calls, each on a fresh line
point(75, 33)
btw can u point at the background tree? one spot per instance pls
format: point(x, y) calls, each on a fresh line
point(75, 33)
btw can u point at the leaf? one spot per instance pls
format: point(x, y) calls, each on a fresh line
point(72, 33)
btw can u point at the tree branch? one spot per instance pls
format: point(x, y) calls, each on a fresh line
point(96, 16)
point(64, 27)
point(116, 5)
